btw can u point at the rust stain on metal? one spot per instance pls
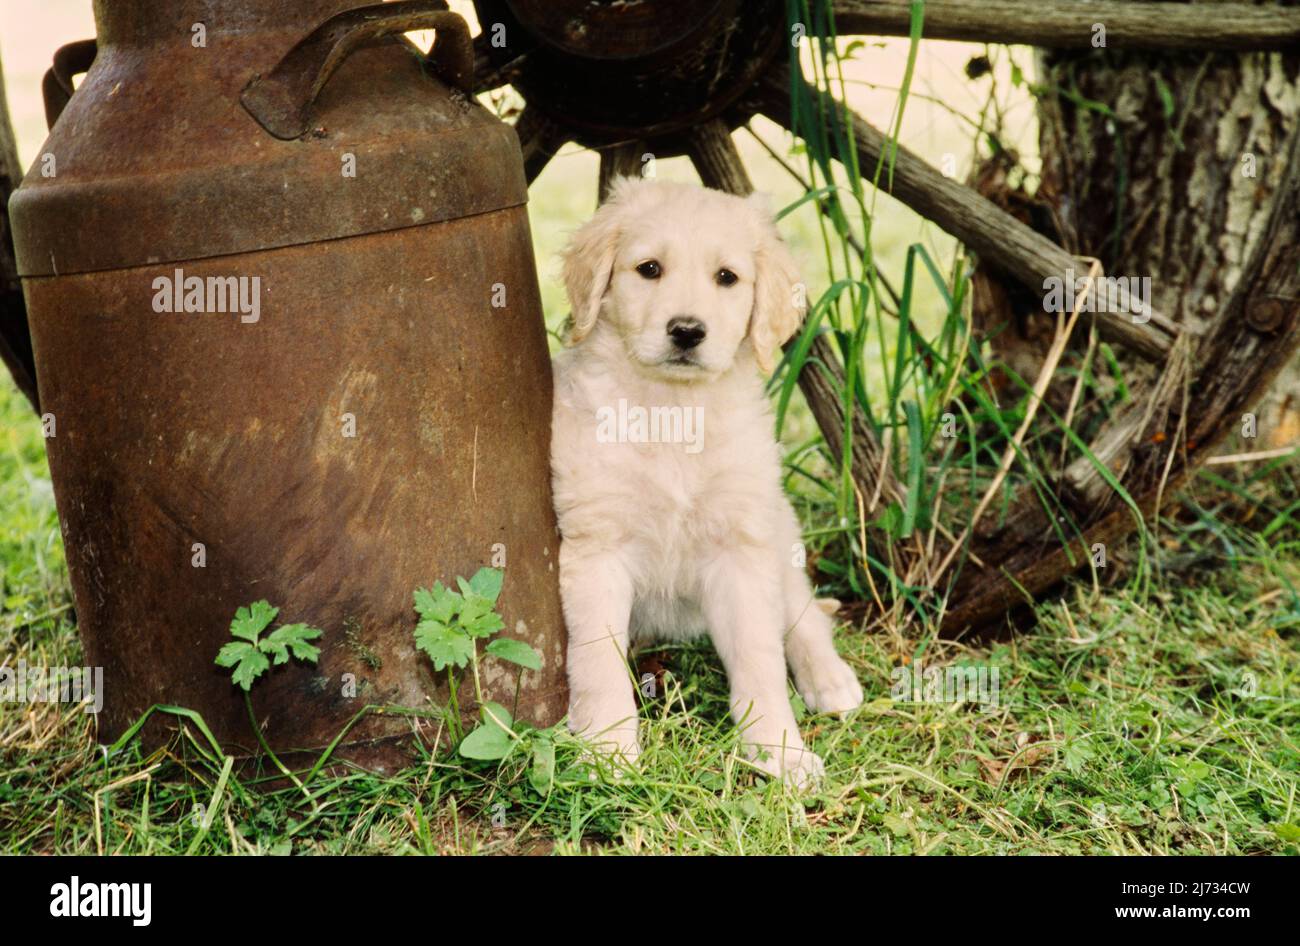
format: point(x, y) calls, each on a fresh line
point(281, 102)
point(159, 161)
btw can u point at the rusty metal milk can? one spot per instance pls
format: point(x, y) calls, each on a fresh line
point(294, 350)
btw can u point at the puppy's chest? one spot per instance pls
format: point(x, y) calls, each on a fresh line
point(664, 478)
point(678, 502)
point(702, 468)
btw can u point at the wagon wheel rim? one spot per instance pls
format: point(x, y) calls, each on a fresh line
point(1267, 288)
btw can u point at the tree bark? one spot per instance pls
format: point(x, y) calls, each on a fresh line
point(1179, 181)
point(539, 140)
point(1182, 168)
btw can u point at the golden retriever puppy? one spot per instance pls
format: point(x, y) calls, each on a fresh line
point(666, 470)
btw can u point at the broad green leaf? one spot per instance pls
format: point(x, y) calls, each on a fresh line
point(541, 774)
point(516, 652)
point(233, 652)
point(444, 645)
point(1078, 753)
point(492, 739)
point(252, 620)
point(248, 661)
point(292, 638)
point(896, 825)
point(424, 601)
point(496, 715)
point(486, 583)
point(1189, 770)
point(477, 617)
point(484, 625)
point(487, 742)
point(438, 602)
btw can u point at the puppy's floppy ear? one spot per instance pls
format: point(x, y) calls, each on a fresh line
point(779, 299)
point(588, 264)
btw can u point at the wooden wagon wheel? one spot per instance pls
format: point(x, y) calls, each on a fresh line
point(677, 76)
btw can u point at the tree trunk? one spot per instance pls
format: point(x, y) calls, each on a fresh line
point(1184, 168)
point(1166, 165)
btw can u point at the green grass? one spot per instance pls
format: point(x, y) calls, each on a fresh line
point(1154, 709)
point(1121, 727)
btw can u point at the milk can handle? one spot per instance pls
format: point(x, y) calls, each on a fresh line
point(281, 100)
point(56, 88)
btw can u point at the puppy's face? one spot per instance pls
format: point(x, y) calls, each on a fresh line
point(685, 276)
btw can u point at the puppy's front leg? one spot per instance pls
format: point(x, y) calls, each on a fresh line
point(742, 603)
point(596, 592)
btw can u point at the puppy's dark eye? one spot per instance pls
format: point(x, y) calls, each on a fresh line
point(726, 277)
point(650, 269)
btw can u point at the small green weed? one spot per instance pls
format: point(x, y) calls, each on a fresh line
point(251, 655)
point(451, 625)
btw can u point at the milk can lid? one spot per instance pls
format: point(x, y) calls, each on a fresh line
point(156, 160)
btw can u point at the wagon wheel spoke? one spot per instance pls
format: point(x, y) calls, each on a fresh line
point(539, 140)
point(716, 158)
point(1000, 240)
point(619, 160)
point(487, 75)
point(1069, 24)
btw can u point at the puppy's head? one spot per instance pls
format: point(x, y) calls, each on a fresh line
point(685, 275)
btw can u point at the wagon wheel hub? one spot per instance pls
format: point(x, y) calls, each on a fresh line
point(612, 72)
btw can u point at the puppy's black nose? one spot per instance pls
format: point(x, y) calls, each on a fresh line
point(686, 332)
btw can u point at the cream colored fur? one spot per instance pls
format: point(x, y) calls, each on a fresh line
point(668, 539)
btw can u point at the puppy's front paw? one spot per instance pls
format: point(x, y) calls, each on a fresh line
point(799, 767)
point(618, 745)
point(830, 686)
point(622, 743)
